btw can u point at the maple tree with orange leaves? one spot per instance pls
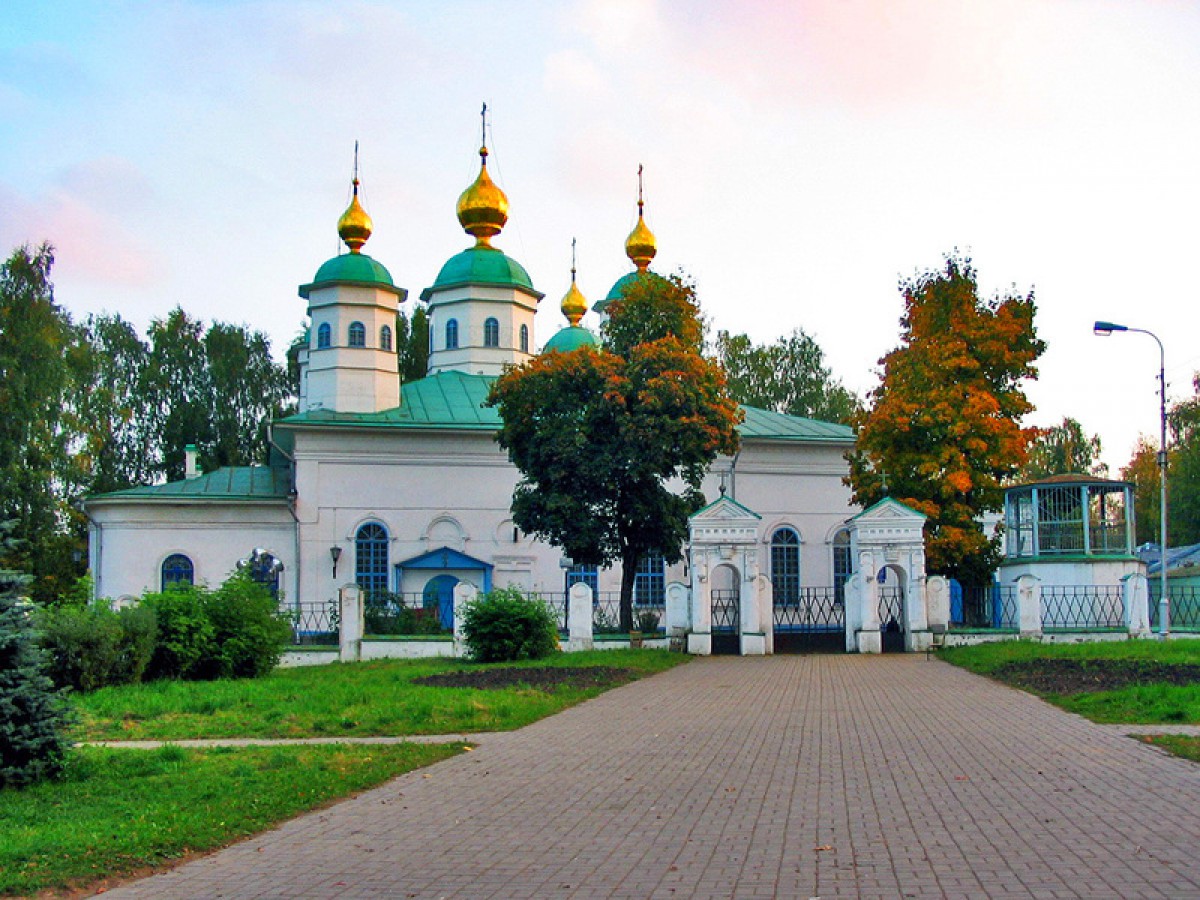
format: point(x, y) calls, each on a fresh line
point(943, 429)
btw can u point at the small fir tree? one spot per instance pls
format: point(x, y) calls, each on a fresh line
point(33, 716)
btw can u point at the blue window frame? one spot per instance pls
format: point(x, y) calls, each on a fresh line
point(650, 581)
point(452, 334)
point(843, 564)
point(358, 334)
point(177, 569)
point(385, 337)
point(324, 335)
point(580, 574)
point(371, 558)
point(785, 566)
point(491, 333)
point(524, 338)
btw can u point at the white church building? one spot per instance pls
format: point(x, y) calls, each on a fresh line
point(403, 488)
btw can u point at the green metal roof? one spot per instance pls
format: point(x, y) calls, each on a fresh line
point(454, 400)
point(571, 338)
point(764, 423)
point(355, 269)
point(482, 265)
point(233, 483)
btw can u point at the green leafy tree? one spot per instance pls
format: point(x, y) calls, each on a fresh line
point(601, 437)
point(1183, 477)
point(33, 716)
point(788, 376)
point(1142, 470)
point(35, 430)
point(412, 344)
point(942, 434)
point(1063, 449)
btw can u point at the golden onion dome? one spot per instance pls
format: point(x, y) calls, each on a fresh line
point(355, 226)
point(574, 304)
point(641, 245)
point(483, 208)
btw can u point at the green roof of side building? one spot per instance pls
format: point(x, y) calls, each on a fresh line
point(352, 269)
point(482, 265)
point(231, 483)
point(455, 400)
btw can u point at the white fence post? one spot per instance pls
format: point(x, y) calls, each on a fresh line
point(1029, 605)
point(1135, 599)
point(464, 593)
point(579, 617)
point(350, 624)
point(678, 621)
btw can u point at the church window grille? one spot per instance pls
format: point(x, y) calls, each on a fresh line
point(785, 566)
point(650, 581)
point(324, 334)
point(358, 335)
point(371, 559)
point(491, 333)
point(177, 569)
point(452, 334)
point(385, 337)
point(524, 338)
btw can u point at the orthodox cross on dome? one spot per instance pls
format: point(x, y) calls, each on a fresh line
point(641, 246)
point(574, 304)
point(355, 226)
point(483, 207)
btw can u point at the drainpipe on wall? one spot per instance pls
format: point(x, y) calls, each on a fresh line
point(292, 496)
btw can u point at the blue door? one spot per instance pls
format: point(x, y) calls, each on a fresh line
point(439, 595)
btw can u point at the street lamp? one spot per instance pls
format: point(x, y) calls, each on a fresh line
point(1104, 329)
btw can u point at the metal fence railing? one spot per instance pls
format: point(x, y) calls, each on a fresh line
point(314, 623)
point(1082, 606)
point(1185, 605)
point(986, 606)
point(556, 602)
point(809, 609)
point(388, 614)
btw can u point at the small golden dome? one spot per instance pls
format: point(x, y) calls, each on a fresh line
point(355, 226)
point(483, 208)
point(641, 245)
point(574, 304)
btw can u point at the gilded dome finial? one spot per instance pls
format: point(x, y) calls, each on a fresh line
point(355, 226)
point(483, 208)
point(641, 245)
point(574, 304)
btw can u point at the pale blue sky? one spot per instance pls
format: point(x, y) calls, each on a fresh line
point(800, 159)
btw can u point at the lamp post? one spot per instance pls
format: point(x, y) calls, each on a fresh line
point(1104, 329)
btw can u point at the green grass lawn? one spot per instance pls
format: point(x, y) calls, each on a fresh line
point(120, 811)
point(360, 699)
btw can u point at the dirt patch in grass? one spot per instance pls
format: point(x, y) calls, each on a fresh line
point(1087, 676)
point(546, 678)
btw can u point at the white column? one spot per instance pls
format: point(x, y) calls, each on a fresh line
point(579, 617)
point(699, 640)
point(350, 625)
point(869, 638)
point(937, 602)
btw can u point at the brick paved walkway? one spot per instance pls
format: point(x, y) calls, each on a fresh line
point(817, 776)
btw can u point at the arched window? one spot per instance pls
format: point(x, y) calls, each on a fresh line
point(323, 336)
point(385, 337)
point(491, 333)
point(524, 338)
point(265, 569)
point(371, 558)
point(452, 334)
point(843, 564)
point(177, 569)
point(650, 581)
point(358, 335)
point(785, 566)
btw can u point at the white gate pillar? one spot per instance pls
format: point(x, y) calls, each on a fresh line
point(579, 617)
point(726, 533)
point(890, 535)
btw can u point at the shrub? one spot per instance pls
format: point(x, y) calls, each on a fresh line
point(185, 634)
point(250, 632)
point(385, 613)
point(505, 625)
point(33, 716)
point(92, 646)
